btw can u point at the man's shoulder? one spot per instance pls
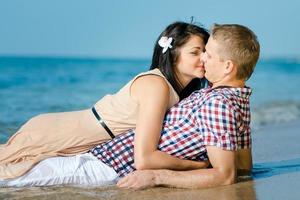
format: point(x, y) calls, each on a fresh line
point(228, 95)
point(216, 96)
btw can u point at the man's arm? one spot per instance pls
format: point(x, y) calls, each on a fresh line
point(223, 172)
point(244, 161)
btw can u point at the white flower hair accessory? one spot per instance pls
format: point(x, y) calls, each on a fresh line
point(165, 43)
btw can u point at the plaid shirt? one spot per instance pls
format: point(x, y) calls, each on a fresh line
point(215, 117)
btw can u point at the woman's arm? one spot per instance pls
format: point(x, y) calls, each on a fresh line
point(152, 94)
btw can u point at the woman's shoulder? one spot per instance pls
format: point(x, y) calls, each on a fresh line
point(151, 81)
point(153, 72)
point(150, 78)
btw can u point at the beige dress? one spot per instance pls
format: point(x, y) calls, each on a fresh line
point(70, 133)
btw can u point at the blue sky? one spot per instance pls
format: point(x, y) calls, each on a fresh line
point(128, 28)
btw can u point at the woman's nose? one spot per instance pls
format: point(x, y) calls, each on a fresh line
point(202, 56)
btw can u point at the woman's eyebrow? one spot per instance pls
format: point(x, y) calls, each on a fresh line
point(197, 47)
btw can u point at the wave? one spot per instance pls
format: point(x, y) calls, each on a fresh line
point(269, 169)
point(275, 113)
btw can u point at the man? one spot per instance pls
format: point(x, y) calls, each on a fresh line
point(220, 115)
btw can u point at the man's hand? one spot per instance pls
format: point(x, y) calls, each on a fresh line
point(139, 179)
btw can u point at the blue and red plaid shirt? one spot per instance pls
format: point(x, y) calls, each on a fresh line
point(212, 116)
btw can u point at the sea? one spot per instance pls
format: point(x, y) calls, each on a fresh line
point(35, 85)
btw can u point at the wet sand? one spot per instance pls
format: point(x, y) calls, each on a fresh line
point(276, 173)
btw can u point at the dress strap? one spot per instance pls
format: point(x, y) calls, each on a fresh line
point(102, 123)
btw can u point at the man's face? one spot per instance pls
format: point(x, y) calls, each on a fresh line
point(213, 64)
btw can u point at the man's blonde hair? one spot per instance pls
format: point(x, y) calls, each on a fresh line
point(239, 44)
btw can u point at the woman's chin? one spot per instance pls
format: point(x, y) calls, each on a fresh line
point(201, 75)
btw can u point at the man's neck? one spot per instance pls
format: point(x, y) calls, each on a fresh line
point(233, 83)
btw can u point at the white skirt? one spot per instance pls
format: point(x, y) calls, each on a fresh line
point(80, 170)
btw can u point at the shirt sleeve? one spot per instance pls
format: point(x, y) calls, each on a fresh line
point(217, 120)
point(244, 139)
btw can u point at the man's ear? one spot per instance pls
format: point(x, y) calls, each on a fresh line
point(229, 66)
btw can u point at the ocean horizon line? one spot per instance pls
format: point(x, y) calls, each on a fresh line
point(121, 58)
point(66, 57)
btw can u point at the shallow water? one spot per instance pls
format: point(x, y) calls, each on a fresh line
point(276, 187)
point(225, 193)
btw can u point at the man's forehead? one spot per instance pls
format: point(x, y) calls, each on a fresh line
point(211, 44)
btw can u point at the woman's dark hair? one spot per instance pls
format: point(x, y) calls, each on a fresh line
point(180, 32)
point(195, 84)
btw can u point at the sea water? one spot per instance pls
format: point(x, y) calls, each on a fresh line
point(35, 85)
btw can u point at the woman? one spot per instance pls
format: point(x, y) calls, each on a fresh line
point(140, 104)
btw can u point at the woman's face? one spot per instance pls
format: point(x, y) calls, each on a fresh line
point(189, 64)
